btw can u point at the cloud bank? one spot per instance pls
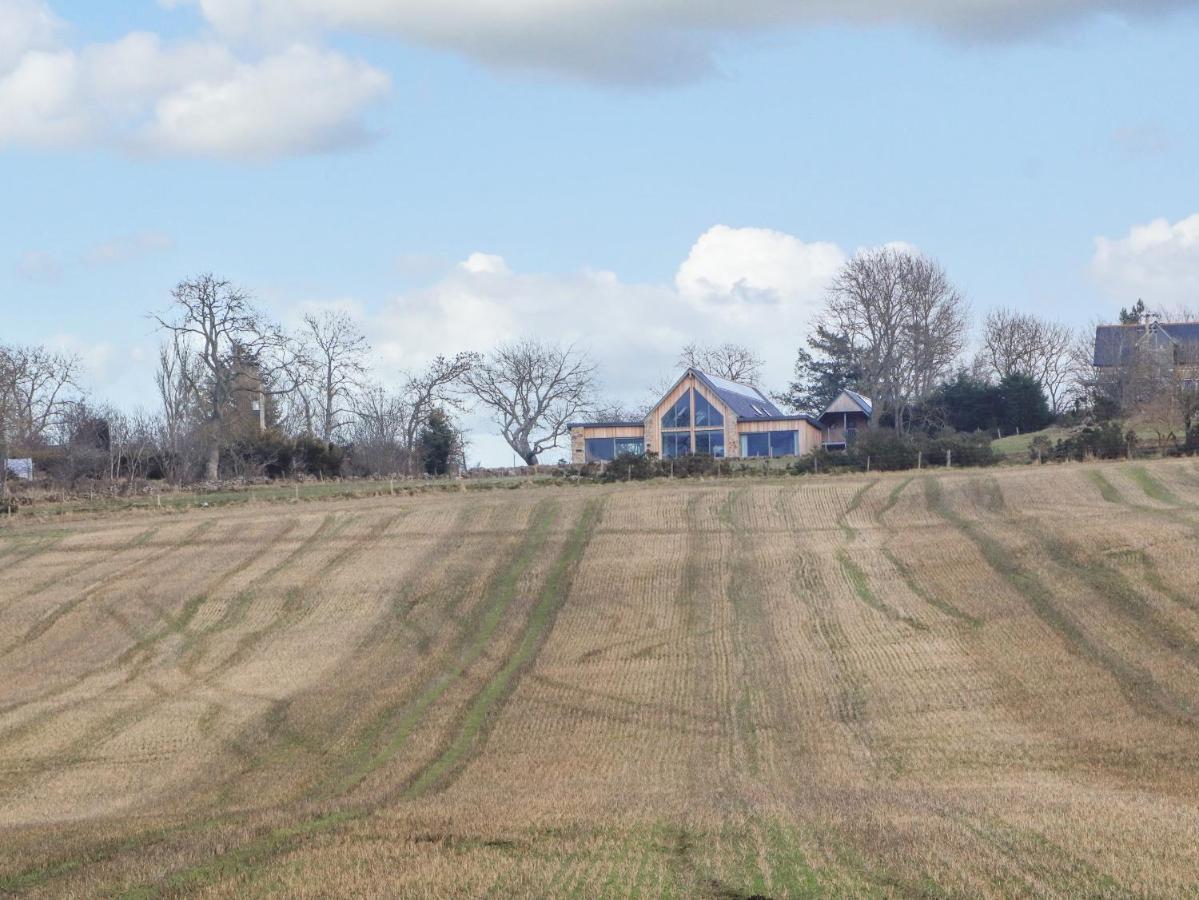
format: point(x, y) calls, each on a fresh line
point(751, 285)
point(191, 98)
point(635, 40)
point(1157, 262)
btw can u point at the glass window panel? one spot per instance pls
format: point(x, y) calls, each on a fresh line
point(710, 442)
point(782, 443)
point(706, 415)
point(757, 444)
point(634, 446)
point(600, 449)
point(675, 444)
point(679, 415)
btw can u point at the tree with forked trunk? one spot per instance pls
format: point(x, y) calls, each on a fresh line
point(533, 390)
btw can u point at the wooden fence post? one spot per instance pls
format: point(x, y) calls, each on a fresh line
point(867, 463)
point(919, 460)
point(949, 459)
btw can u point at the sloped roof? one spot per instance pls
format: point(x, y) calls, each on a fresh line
point(746, 401)
point(865, 403)
point(1115, 344)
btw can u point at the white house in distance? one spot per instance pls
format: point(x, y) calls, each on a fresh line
point(706, 414)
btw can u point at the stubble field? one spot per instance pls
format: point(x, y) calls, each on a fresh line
point(932, 684)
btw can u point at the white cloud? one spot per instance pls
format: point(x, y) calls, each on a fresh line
point(736, 269)
point(197, 97)
point(485, 264)
point(129, 247)
point(751, 285)
point(302, 100)
point(1158, 262)
point(25, 25)
point(631, 40)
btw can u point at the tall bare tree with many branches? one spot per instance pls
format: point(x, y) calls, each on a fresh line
point(230, 338)
point(1016, 343)
point(533, 390)
point(900, 322)
point(728, 360)
point(328, 371)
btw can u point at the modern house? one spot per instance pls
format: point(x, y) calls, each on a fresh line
point(1164, 349)
point(706, 414)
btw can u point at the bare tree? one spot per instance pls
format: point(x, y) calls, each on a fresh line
point(901, 322)
point(38, 389)
point(329, 367)
point(533, 390)
point(179, 417)
point(935, 325)
point(437, 387)
point(377, 432)
point(387, 424)
point(236, 348)
point(1016, 343)
point(732, 361)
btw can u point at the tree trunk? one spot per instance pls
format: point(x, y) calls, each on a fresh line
point(212, 469)
point(530, 458)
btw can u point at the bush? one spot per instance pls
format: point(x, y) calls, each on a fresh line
point(1105, 441)
point(314, 457)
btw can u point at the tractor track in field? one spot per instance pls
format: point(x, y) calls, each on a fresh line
point(138, 540)
point(470, 731)
point(1139, 687)
point(488, 703)
point(906, 573)
point(46, 622)
point(138, 653)
point(76, 752)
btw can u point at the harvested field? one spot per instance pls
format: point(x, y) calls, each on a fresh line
point(974, 683)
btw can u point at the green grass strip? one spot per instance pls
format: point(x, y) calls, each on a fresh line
point(1107, 490)
point(553, 596)
point(1153, 488)
point(860, 583)
point(367, 757)
point(914, 585)
point(1137, 684)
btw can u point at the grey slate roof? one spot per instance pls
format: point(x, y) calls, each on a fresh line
point(746, 402)
point(1115, 344)
point(866, 404)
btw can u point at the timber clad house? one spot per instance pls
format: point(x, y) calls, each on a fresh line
point(706, 414)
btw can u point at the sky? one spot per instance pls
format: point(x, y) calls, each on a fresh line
point(626, 175)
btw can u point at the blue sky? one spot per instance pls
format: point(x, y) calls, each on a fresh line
point(632, 179)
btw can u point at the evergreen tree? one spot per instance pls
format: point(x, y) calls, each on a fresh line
point(1023, 404)
point(967, 403)
point(437, 443)
point(1135, 315)
point(819, 379)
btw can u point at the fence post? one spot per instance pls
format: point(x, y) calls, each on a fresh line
point(919, 460)
point(949, 459)
point(297, 487)
point(867, 463)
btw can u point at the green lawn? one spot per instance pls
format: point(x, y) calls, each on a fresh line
point(1018, 444)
